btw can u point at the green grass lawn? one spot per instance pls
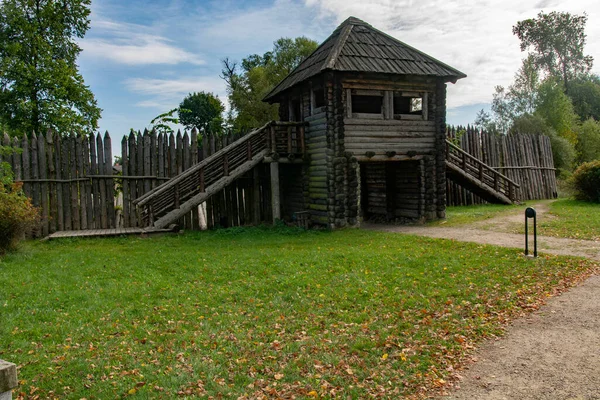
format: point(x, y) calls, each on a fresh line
point(256, 312)
point(462, 215)
point(572, 219)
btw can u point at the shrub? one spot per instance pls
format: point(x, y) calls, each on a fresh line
point(17, 214)
point(586, 182)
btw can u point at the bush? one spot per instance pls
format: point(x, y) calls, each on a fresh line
point(586, 182)
point(17, 214)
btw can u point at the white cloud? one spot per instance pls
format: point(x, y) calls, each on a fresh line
point(474, 37)
point(129, 44)
point(168, 93)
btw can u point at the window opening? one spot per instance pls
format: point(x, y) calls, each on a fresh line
point(366, 104)
point(319, 98)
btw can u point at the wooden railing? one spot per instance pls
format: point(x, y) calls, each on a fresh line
point(285, 138)
point(485, 174)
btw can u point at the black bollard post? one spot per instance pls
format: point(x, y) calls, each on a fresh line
point(530, 213)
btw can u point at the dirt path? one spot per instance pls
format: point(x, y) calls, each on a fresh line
point(554, 353)
point(497, 231)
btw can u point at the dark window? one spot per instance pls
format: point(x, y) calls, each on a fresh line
point(407, 104)
point(366, 104)
point(295, 110)
point(319, 98)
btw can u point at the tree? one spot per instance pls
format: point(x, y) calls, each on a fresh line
point(523, 92)
point(588, 142)
point(162, 122)
point(503, 109)
point(202, 111)
point(40, 86)
point(557, 40)
point(555, 107)
point(585, 95)
point(563, 151)
point(249, 83)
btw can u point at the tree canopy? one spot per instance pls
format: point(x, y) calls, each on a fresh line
point(202, 111)
point(249, 83)
point(553, 92)
point(40, 85)
point(557, 40)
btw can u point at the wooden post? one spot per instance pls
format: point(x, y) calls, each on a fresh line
point(255, 190)
point(8, 379)
point(275, 197)
point(301, 139)
point(201, 186)
point(273, 139)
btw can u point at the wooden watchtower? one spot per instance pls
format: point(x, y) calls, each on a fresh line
point(375, 110)
point(361, 135)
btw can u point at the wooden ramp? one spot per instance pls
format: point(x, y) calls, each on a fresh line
point(170, 201)
point(108, 232)
point(478, 177)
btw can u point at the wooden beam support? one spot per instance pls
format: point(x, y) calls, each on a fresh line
point(275, 195)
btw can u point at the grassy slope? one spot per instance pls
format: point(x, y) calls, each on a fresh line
point(258, 312)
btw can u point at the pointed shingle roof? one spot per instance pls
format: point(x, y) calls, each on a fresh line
point(356, 46)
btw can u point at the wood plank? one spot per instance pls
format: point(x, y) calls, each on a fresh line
point(60, 223)
point(44, 189)
point(102, 183)
point(87, 185)
point(75, 209)
point(81, 174)
point(53, 209)
point(125, 184)
point(132, 171)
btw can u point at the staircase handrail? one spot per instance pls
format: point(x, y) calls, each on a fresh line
point(140, 201)
point(478, 161)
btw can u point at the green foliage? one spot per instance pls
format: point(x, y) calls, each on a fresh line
point(41, 86)
point(17, 215)
point(203, 111)
point(586, 182)
point(258, 76)
point(585, 95)
point(162, 122)
point(588, 141)
point(524, 91)
point(555, 107)
point(557, 40)
point(563, 151)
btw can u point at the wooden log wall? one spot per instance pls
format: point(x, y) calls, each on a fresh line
point(77, 186)
point(393, 191)
point(526, 159)
point(316, 148)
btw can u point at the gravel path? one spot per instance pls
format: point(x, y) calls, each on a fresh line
point(554, 353)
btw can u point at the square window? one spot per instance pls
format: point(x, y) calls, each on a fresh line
point(362, 104)
point(408, 105)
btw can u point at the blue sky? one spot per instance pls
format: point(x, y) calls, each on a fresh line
point(141, 58)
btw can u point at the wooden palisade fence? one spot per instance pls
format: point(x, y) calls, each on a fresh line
point(525, 159)
point(73, 181)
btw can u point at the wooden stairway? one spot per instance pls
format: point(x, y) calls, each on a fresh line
point(478, 177)
point(170, 201)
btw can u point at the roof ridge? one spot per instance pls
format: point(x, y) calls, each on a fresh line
point(337, 48)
